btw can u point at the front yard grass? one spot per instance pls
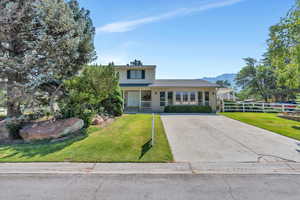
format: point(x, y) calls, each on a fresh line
point(269, 121)
point(125, 140)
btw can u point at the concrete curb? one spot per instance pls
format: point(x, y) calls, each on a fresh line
point(150, 168)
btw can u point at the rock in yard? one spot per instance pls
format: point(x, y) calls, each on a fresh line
point(4, 132)
point(98, 120)
point(50, 130)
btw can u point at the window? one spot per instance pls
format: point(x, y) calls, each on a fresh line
point(146, 95)
point(185, 97)
point(193, 97)
point(178, 98)
point(170, 98)
point(200, 98)
point(162, 98)
point(146, 99)
point(136, 74)
point(207, 98)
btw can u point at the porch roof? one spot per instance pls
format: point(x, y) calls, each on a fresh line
point(183, 83)
point(134, 84)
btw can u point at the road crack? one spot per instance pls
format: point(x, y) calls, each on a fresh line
point(229, 188)
point(99, 187)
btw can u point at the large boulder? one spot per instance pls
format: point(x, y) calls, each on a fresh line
point(4, 132)
point(51, 130)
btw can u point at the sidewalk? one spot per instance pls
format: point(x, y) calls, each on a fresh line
point(150, 168)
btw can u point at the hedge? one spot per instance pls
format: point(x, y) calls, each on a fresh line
point(188, 109)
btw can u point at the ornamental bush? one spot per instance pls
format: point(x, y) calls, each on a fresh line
point(95, 91)
point(188, 109)
point(113, 105)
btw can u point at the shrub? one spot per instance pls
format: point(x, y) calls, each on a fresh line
point(188, 109)
point(94, 91)
point(113, 105)
point(69, 110)
point(2, 117)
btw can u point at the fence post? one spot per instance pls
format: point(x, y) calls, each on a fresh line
point(283, 108)
point(243, 107)
point(152, 134)
point(263, 107)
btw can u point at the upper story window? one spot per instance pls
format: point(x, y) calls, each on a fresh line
point(136, 74)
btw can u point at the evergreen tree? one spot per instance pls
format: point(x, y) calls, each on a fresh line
point(41, 41)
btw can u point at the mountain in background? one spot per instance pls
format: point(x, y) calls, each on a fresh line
point(229, 77)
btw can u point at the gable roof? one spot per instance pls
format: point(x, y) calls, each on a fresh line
point(182, 83)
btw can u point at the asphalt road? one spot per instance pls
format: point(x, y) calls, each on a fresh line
point(215, 138)
point(138, 187)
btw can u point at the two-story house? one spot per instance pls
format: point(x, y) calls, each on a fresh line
point(142, 92)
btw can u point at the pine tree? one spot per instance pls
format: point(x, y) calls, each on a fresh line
point(41, 41)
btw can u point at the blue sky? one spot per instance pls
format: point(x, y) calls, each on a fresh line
point(184, 38)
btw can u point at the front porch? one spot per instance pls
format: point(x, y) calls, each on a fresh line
point(155, 100)
point(137, 100)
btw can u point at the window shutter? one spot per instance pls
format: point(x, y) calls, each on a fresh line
point(143, 74)
point(128, 74)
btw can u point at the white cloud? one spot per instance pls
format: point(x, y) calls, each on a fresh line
point(124, 26)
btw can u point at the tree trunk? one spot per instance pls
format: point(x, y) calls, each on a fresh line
point(13, 104)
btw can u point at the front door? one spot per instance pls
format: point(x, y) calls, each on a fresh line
point(133, 99)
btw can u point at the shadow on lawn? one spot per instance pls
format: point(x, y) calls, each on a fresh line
point(40, 148)
point(145, 148)
point(296, 127)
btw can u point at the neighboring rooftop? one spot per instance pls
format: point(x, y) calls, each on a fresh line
point(182, 83)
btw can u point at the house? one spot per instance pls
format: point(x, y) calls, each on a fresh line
point(226, 94)
point(143, 92)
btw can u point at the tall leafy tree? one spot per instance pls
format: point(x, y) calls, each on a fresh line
point(257, 78)
point(284, 48)
point(41, 41)
point(223, 83)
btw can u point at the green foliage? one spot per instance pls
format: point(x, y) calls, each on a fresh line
point(298, 98)
point(188, 109)
point(2, 97)
point(2, 117)
point(277, 76)
point(86, 92)
point(223, 83)
point(259, 80)
point(41, 41)
point(113, 105)
point(284, 48)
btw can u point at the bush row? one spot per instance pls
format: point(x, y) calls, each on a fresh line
point(188, 109)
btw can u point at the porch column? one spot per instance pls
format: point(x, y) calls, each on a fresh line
point(166, 98)
point(174, 97)
point(140, 102)
point(203, 98)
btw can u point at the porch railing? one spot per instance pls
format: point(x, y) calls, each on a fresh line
point(146, 104)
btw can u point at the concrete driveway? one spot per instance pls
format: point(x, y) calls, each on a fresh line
point(215, 138)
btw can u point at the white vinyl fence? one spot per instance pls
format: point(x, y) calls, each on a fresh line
point(259, 107)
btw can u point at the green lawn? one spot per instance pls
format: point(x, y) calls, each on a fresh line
point(269, 122)
point(126, 140)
